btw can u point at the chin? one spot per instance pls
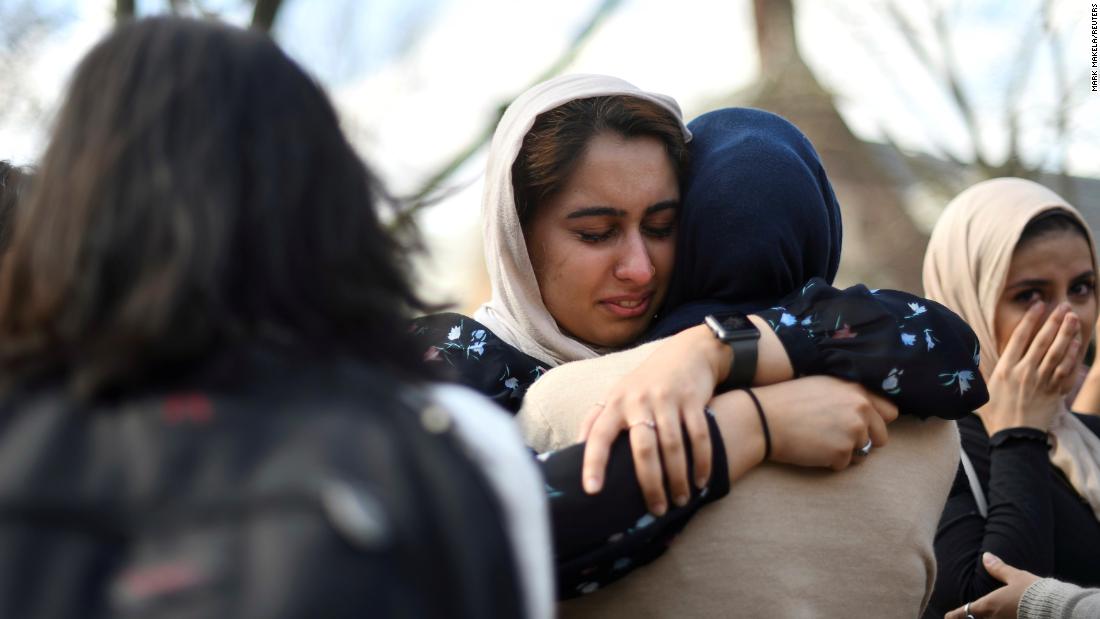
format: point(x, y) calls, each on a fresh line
point(620, 338)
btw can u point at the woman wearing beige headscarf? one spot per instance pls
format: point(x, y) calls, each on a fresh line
point(1018, 263)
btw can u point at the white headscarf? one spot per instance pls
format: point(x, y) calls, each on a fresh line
point(516, 312)
point(966, 267)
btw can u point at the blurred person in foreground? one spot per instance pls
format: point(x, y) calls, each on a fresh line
point(208, 404)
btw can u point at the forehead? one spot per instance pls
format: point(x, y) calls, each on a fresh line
point(621, 172)
point(1055, 255)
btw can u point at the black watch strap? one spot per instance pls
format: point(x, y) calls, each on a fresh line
point(736, 330)
point(743, 367)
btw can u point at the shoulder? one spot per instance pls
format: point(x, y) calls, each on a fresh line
point(476, 357)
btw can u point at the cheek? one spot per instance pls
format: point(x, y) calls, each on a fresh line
point(1004, 322)
point(1087, 313)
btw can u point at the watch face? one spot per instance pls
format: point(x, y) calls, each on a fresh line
point(733, 326)
point(734, 322)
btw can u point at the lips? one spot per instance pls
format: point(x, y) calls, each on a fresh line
point(628, 306)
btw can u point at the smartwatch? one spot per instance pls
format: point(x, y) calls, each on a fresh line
point(735, 329)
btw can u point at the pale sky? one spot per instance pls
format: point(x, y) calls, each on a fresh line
point(416, 79)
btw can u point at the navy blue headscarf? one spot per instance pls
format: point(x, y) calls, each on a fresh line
point(758, 219)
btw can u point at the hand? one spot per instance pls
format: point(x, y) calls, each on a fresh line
point(654, 402)
point(820, 421)
point(1004, 602)
point(1033, 375)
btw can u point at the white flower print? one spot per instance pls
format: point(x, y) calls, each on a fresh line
point(917, 310)
point(977, 355)
point(890, 383)
point(512, 383)
point(787, 320)
point(477, 348)
point(908, 339)
point(645, 521)
point(479, 334)
point(874, 291)
point(588, 587)
point(962, 377)
point(930, 339)
point(455, 333)
point(807, 321)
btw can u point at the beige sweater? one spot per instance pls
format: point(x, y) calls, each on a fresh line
point(787, 541)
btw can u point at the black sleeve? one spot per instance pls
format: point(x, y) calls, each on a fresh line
point(1019, 527)
point(913, 351)
point(600, 538)
point(459, 349)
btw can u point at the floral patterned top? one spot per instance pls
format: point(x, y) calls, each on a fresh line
point(915, 352)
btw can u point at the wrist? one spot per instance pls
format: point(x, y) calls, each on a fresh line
point(742, 434)
point(719, 355)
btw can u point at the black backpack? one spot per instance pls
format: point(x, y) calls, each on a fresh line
point(331, 492)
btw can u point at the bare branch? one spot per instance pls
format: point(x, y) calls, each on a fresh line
point(426, 195)
point(124, 9)
point(264, 13)
point(958, 92)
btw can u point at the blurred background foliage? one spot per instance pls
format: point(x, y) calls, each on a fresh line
point(907, 102)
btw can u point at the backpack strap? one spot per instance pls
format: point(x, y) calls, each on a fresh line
point(975, 485)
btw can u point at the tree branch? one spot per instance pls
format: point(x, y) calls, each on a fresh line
point(425, 196)
point(264, 13)
point(124, 10)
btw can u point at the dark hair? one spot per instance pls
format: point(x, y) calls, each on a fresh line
point(197, 194)
point(14, 182)
point(1054, 220)
point(559, 136)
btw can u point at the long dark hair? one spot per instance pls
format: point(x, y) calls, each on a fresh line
point(197, 194)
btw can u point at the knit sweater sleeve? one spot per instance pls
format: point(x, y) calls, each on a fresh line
point(1047, 598)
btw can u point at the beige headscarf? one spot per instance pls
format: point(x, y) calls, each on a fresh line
point(516, 312)
point(965, 268)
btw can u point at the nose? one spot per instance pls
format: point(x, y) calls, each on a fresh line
point(634, 263)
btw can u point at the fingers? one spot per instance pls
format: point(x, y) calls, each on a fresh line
point(978, 608)
point(695, 421)
point(604, 430)
point(1021, 335)
point(647, 465)
point(589, 419)
point(876, 429)
point(887, 410)
point(999, 569)
point(671, 441)
point(1067, 331)
point(1045, 337)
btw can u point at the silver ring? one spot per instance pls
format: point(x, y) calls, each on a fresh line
point(649, 423)
point(866, 449)
point(966, 609)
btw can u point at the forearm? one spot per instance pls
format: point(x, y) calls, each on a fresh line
point(599, 538)
point(914, 352)
point(1019, 525)
point(740, 432)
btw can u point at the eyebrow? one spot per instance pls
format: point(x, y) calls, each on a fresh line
point(607, 211)
point(1035, 283)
